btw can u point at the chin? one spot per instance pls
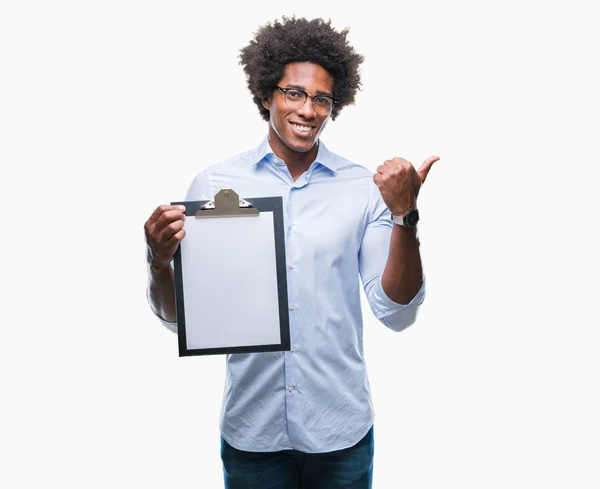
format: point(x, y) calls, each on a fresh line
point(302, 148)
point(301, 145)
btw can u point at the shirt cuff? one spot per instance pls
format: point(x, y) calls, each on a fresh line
point(397, 316)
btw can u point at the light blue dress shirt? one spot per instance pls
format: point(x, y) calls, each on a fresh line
point(315, 398)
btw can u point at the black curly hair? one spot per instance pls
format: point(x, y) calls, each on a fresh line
point(299, 40)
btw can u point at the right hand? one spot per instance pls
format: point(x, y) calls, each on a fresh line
point(164, 231)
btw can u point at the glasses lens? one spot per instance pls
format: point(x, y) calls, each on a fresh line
point(322, 105)
point(295, 98)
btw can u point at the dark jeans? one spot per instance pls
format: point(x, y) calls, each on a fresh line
point(351, 468)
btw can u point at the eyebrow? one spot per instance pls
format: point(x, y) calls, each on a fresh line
point(318, 92)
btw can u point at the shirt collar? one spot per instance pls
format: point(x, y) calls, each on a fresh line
point(326, 158)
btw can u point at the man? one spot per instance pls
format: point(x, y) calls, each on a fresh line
point(304, 418)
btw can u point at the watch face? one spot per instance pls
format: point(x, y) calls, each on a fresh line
point(411, 218)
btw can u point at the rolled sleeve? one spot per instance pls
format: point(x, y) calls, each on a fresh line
point(395, 316)
point(372, 259)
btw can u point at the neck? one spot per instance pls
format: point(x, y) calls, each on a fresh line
point(296, 161)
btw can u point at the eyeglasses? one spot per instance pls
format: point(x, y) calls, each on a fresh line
point(296, 98)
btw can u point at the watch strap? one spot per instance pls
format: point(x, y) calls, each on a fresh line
point(398, 220)
point(410, 219)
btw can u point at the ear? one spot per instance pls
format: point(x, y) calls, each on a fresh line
point(266, 103)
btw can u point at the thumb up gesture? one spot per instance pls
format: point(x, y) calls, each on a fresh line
point(399, 183)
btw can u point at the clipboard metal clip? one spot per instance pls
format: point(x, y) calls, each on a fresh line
point(227, 203)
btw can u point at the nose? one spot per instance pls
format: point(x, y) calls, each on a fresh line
point(307, 110)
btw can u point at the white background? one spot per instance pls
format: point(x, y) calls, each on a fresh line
point(108, 109)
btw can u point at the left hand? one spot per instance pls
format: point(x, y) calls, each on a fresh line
point(399, 183)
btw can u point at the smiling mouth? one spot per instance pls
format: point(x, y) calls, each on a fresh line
point(300, 129)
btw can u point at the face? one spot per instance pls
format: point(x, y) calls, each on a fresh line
point(297, 130)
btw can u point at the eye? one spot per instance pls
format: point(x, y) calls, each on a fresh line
point(294, 94)
point(324, 101)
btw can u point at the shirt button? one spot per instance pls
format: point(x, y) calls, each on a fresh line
point(292, 307)
point(276, 160)
point(292, 388)
point(292, 266)
point(291, 348)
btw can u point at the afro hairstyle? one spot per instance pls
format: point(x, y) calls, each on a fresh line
point(292, 40)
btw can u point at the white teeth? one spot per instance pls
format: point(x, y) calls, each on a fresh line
point(302, 128)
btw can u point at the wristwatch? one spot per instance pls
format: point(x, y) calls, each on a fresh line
point(411, 218)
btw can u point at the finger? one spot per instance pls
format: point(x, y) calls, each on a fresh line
point(169, 223)
point(171, 230)
point(382, 169)
point(165, 254)
point(397, 161)
point(161, 209)
point(167, 218)
point(173, 243)
point(178, 236)
point(156, 215)
point(423, 171)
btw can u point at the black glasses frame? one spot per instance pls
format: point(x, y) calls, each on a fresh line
point(285, 90)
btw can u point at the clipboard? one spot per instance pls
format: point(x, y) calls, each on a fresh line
point(230, 277)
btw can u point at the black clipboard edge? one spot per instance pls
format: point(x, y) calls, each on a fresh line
point(263, 204)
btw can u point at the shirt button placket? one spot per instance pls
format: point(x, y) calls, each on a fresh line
point(289, 357)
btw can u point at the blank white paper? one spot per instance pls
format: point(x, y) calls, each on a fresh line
point(230, 282)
